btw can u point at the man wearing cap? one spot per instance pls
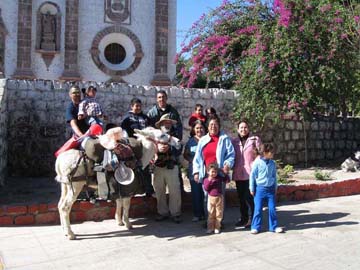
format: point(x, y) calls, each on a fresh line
point(161, 108)
point(79, 127)
point(166, 174)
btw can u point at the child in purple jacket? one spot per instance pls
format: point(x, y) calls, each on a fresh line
point(213, 185)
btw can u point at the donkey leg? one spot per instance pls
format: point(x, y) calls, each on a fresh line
point(61, 202)
point(118, 212)
point(126, 204)
point(68, 202)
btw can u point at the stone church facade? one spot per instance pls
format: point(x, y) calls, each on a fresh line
point(131, 41)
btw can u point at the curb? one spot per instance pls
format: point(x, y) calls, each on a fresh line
point(37, 214)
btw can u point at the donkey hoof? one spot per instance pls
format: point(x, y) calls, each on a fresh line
point(120, 223)
point(128, 226)
point(71, 236)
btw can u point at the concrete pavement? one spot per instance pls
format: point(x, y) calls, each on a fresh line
point(320, 234)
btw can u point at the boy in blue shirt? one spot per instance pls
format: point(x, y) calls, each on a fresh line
point(263, 187)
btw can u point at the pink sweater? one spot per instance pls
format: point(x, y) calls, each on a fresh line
point(244, 157)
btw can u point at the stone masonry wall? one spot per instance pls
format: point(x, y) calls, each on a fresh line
point(34, 122)
point(321, 141)
point(36, 109)
point(3, 132)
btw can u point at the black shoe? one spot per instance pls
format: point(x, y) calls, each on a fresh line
point(161, 218)
point(241, 223)
point(177, 219)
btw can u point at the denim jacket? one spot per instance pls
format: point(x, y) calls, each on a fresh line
point(225, 154)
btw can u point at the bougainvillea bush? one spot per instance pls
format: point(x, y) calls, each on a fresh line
point(300, 56)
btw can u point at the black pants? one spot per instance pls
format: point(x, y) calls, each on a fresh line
point(246, 199)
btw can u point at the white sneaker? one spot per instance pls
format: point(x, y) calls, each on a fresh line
point(254, 231)
point(279, 230)
point(216, 231)
point(209, 231)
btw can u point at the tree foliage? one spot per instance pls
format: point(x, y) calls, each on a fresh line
point(282, 56)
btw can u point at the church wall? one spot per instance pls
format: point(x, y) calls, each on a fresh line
point(91, 22)
point(142, 25)
point(10, 14)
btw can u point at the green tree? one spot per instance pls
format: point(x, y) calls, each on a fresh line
point(282, 56)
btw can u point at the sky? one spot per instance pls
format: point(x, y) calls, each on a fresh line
point(189, 11)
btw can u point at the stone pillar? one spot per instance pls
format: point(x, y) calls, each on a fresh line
point(161, 76)
point(23, 70)
point(71, 70)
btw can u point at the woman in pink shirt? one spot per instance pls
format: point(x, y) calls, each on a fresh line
point(245, 146)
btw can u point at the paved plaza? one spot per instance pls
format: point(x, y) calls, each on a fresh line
point(320, 234)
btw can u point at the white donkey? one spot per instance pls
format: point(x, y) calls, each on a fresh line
point(66, 162)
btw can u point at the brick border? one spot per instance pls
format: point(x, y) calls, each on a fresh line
point(19, 215)
point(95, 52)
point(3, 34)
point(161, 77)
point(23, 69)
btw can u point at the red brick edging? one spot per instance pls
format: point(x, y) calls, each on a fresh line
point(141, 206)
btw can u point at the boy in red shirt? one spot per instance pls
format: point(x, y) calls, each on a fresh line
point(197, 115)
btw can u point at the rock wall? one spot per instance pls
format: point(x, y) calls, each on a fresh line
point(317, 142)
point(33, 125)
point(3, 132)
point(36, 109)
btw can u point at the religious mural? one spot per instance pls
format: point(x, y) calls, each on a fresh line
point(117, 11)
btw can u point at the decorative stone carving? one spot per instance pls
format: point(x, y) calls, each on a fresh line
point(126, 39)
point(48, 30)
point(3, 33)
point(117, 11)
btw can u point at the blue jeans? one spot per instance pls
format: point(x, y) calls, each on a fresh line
point(197, 197)
point(92, 120)
point(263, 194)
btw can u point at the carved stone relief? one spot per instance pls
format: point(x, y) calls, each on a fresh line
point(48, 30)
point(117, 11)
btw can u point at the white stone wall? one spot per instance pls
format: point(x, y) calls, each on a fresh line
point(9, 13)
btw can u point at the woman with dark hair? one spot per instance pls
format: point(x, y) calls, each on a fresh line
point(245, 145)
point(214, 147)
point(197, 131)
